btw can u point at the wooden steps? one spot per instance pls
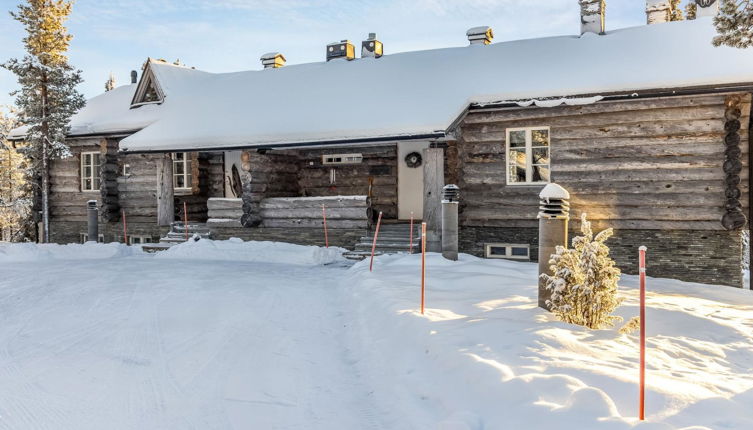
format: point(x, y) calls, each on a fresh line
point(393, 238)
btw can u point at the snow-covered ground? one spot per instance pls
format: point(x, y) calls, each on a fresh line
point(219, 335)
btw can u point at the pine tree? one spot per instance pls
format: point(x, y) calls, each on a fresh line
point(15, 195)
point(48, 96)
point(675, 13)
point(734, 24)
point(584, 280)
point(691, 10)
point(110, 83)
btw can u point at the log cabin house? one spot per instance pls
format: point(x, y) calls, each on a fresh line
point(647, 127)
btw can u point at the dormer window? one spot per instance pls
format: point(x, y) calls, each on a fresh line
point(148, 90)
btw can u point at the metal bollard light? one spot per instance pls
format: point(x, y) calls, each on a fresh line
point(554, 214)
point(92, 220)
point(450, 203)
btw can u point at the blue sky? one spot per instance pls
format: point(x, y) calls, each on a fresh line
point(230, 35)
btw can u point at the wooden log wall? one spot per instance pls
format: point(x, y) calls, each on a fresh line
point(640, 164)
point(342, 212)
point(67, 201)
point(375, 177)
point(272, 174)
point(109, 210)
point(225, 212)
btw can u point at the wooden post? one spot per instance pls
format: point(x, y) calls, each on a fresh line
point(433, 184)
point(373, 245)
point(125, 229)
point(324, 217)
point(423, 266)
point(410, 248)
point(185, 219)
point(165, 191)
point(642, 383)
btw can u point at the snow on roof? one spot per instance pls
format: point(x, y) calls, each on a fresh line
point(410, 94)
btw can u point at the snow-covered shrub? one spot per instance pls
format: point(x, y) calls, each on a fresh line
point(584, 281)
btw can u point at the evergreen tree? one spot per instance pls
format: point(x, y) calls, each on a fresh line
point(15, 195)
point(48, 96)
point(675, 13)
point(110, 83)
point(734, 24)
point(584, 280)
point(691, 10)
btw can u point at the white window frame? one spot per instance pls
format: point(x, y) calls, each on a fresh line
point(84, 237)
point(142, 239)
point(508, 251)
point(95, 170)
point(529, 156)
point(340, 159)
point(187, 172)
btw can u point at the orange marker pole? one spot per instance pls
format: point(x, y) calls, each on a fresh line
point(423, 266)
point(642, 274)
point(125, 229)
point(185, 219)
point(410, 250)
point(326, 238)
point(373, 245)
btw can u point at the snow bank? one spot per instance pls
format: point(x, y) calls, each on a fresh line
point(267, 252)
point(22, 252)
point(505, 363)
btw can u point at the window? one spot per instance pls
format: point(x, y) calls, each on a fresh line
point(182, 170)
point(90, 171)
point(508, 251)
point(342, 159)
point(528, 156)
point(85, 237)
point(138, 240)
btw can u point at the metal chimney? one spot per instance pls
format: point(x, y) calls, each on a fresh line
point(342, 49)
point(480, 35)
point(134, 76)
point(272, 60)
point(371, 47)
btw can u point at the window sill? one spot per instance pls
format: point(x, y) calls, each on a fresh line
point(183, 191)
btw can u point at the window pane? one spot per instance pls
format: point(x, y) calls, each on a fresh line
point(179, 168)
point(520, 252)
point(179, 183)
point(177, 156)
point(540, 138)
point(517, 163)
point(540, 155)
point(540, 174)
point(87, 184)
point(87, 159)
point(87, 172)
point(188, 181)
point(497, 250)
point(96, 183)
point(518, 139)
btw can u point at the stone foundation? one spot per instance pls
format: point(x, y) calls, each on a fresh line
point(70, 231)
point(709, 257)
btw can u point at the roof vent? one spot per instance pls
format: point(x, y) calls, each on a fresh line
point(479, 35)
point(134, 76)
point(272, 60)
point(342, 49)
point(658, 11)
point(592, 16)
point(371, 47)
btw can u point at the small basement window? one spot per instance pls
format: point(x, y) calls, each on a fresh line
point(90, 171)
point(528, 156)
point(508, 251)
point(84, 237)
point(138, 240)
point(342, 159)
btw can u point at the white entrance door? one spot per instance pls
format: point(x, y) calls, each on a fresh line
point(232, 174)
point(410, 181)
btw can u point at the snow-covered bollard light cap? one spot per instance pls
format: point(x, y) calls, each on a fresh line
point(554, 191)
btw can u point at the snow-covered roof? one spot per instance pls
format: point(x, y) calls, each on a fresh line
point(414, 93)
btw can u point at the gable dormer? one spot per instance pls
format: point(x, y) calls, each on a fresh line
point(148, 90)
